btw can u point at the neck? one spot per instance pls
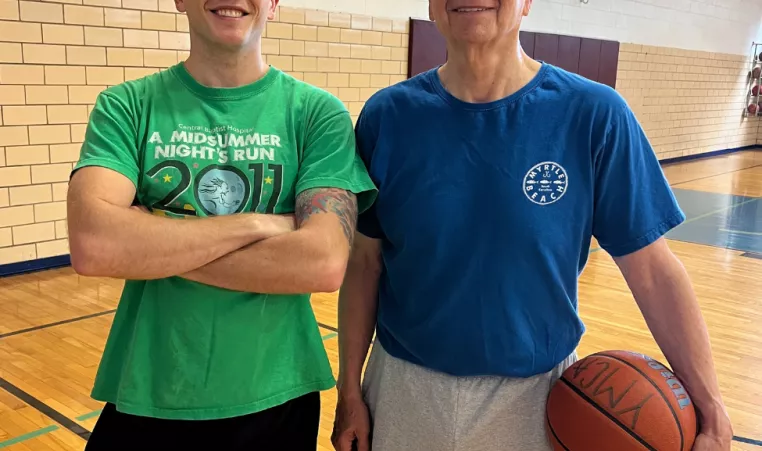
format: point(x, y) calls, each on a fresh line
point(480, 74)
point(223, 68)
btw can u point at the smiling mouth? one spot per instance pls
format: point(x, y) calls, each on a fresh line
point(471, 10)
point(233, 13)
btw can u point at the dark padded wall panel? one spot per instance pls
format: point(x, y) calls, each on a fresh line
point(546, 47)
point(427, 47)
point(592, 58)
point(568, 53)
point(608, 63)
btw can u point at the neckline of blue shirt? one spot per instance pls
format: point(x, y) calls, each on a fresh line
point(436, 82)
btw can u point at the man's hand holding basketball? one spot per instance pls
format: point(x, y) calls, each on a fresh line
point(715, 429)
point(663, 291)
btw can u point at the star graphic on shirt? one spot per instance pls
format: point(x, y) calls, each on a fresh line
point(167, 178)
point(268, 180)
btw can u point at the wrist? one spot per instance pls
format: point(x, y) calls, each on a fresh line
point(349, 387)
point(714, 419)
point(263, 226)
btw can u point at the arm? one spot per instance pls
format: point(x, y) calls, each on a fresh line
point(358, 302)
point(309, 260)
point(663, 292)
point(108, 238)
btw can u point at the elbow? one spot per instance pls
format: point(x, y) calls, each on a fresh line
point(85, 256)
point(330, 275)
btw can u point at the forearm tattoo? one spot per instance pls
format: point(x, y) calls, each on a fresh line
point(328, 200)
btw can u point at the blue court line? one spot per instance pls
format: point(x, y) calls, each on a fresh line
point(712, 213)
point(329, 336)
point(748, 441)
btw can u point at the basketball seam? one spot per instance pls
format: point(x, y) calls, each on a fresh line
point(553, 431)
point(674, 414)
point(610, 417)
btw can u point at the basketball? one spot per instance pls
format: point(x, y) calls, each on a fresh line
point(623, 401)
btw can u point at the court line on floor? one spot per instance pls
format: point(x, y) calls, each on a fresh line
point(729, 207)
point(89, 415)
point(741, 232)
point(748, 441)
point(325, 326)
point(57, 323)
point(45, 409)
point(716, 175)
point(28, 436)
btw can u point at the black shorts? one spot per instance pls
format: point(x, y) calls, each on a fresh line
point(292, 426)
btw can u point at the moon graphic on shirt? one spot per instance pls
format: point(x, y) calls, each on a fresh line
point(221, 190)
point(546, 183)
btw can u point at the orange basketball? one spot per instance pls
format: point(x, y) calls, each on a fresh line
point(623, 401)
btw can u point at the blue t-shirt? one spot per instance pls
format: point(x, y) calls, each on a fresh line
point(486, 213)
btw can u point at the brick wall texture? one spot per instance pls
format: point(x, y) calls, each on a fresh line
point(689, 102)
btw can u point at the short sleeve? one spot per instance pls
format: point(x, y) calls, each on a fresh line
point(330, 158)
point(111, 137)
point(634, 204)
point(365, 136)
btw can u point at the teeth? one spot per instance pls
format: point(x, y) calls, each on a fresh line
point(470, 10)
point(229, 13)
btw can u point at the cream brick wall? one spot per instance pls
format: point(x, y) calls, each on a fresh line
point(56, 56)
point(710, 25)
point(689, 102)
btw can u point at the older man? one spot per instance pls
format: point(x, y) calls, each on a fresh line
point(495, 171)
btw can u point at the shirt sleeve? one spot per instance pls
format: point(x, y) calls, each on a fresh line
point(330, 158)
point(367, 223)
point(634, 204)
point(111, 137)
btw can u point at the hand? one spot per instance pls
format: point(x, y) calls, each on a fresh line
point(705, 442)
point(716, 434)
point(352, 424)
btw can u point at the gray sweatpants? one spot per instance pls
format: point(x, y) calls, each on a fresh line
point(417, 409)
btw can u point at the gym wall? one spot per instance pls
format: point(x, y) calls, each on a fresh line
point(711, 26)
point(56, 57)
point(689, 102)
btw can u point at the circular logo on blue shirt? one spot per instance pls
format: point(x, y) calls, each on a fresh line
point(545, 183)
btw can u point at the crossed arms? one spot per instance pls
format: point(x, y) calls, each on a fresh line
point(251, 252)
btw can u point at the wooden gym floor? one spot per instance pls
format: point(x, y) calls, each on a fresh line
point(53, 324)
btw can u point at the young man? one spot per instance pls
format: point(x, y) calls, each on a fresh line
point(467, 266)
point(254, 187)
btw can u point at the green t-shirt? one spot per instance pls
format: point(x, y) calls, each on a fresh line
point(183, 350)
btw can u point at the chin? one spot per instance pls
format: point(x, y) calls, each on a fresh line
point(476, 33)
point(474, 37)
point(230, 40)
